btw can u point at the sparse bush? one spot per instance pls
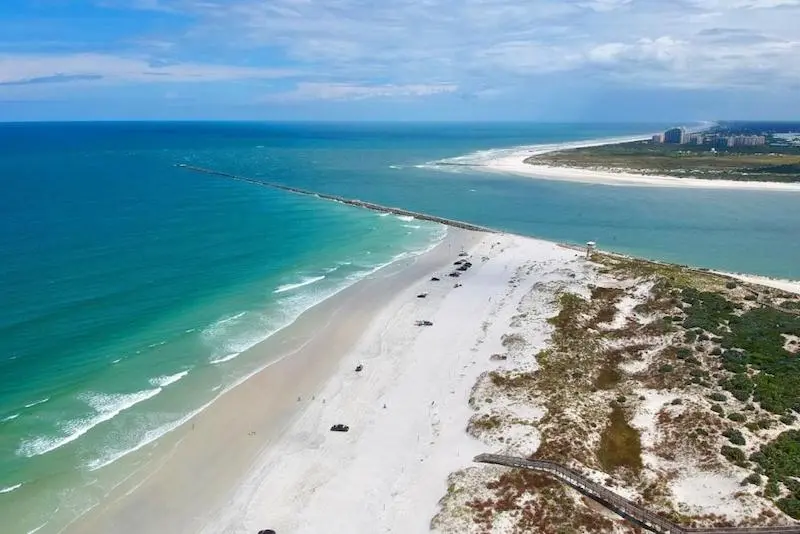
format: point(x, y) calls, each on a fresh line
point(734, 455)
point(730, 285)
point(737, 417)
point(750, 297)
point(683, 352)
point(717, 396)
point(718, 409)
point(703, 337)
point(734, 436)
point(788, 419)
point(666, 368)
point(753, 478)
point(716, 351)
point(690, 336)
point(621, 399)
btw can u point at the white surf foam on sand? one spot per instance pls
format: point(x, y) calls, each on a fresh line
point(106, 406)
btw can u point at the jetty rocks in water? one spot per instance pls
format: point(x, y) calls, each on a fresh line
point(336, 198)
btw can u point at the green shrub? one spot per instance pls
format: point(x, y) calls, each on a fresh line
point(734, 436)
point(683, 352)
point(703, 337)
point(689, 336)
point(750, 297)
point(717, 396)
point(666, 368)
point(691, 360)
point(740, 386)
point(730, 285)
point(780, 460)
point(788, 419)
point(716, 351)
point(737, 417)
point(734, 455)
point(753, 478)
point(675, 402)
point(717, 408)
point(621, 399)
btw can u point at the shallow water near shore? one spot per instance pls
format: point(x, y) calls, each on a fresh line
point(132, 288)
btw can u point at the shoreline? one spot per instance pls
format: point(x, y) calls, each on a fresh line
point(262, 455)
point(514, 163)
point(183, 468)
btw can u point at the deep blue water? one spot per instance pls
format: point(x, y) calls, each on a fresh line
point(130, 287)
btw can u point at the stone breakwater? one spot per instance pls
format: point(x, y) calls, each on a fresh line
point(336, 198)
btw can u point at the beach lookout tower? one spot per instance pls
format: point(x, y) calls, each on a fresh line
point(590, 248)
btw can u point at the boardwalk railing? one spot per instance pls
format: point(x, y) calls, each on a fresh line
point(627, 509)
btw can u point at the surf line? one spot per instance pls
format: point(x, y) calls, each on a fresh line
point(335, 198)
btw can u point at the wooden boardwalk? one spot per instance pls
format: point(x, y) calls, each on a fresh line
point(627, 509)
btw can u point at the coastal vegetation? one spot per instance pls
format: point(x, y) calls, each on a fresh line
point(694, 371)
point(757, 163)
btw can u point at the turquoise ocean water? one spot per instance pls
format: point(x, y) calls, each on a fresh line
point(129, 288)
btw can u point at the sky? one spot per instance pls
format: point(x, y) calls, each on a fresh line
point(531, 60)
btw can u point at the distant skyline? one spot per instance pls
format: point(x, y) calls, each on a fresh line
point(548, 60)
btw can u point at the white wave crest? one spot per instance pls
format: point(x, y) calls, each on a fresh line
point(225, 358)
point(405, 218)
point(9, 418)
point(164, 381)
point(304, 282)
point(11, 488)
point(149, 437)
point(36, 403)
point(106, 407)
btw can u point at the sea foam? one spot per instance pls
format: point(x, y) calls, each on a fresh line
point(106, 408)
point(304, 282)
point(10, 488)
point(164, 381)
point(36, 403)
point(149, 437)
point(225, 358)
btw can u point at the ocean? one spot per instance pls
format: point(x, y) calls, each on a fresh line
point(131, 288)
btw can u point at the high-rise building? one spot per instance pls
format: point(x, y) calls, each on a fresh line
point(658, 138)
point(675, 136)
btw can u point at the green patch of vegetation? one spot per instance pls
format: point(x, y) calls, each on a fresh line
point(753, 478)
point(666, 368)
point(771, 163)
point(718, 409)
point(737, 417)
point(780, 460)
point(717, 396)
point(734, 436)
point(620, 443)
point(734, 455)
point(740, 386)
point(707, 310)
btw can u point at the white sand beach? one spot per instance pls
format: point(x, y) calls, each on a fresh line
point(262, 456)
point(515, 163)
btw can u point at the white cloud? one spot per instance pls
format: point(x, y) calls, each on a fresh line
point(408, 43)
point(23, 68)
point(345, 91)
